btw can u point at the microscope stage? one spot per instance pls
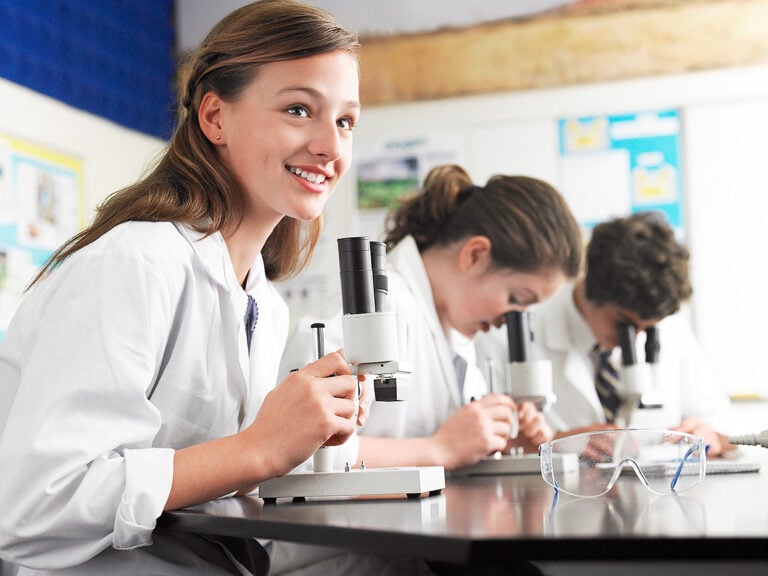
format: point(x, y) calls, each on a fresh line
point(517, 464)
point(411, 481)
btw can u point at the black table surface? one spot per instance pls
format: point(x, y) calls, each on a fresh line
point(482, 518)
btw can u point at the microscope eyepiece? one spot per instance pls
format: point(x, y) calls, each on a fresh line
point(380, 279)
point(518, 335)
point(355, 270)
point(626, 333)
point(652, 345)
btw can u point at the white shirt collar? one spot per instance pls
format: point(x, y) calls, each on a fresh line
point(581, 334)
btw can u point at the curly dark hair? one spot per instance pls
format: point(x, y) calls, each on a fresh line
point(637, 263)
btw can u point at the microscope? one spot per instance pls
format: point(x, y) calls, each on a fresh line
point(639, 380)
point(372, 347)
point(527, 380)
point(371, 341)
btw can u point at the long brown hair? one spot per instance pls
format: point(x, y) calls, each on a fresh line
point(190, 183)
point(528, 222)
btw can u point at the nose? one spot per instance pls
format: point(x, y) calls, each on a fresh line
point(326, 140)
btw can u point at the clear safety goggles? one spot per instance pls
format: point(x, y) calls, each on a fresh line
point(589, 464)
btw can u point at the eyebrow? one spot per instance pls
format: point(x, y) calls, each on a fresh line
point(316, 94)
point(532, 300)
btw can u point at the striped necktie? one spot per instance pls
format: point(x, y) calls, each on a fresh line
point(251, 317)
point(607, 383)
point(460, 367)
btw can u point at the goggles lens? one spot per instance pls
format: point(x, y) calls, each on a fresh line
point(665, 461)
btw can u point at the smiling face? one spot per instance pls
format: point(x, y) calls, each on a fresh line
point(288, 136)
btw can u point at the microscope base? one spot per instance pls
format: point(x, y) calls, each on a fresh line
point(517, 464)
point(411, 481)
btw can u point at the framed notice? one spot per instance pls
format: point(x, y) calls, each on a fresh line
point(41, 206)
point(614, 165)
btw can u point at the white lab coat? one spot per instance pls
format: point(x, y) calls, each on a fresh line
point(686, 384)
point(87, 458)
point(434, 390)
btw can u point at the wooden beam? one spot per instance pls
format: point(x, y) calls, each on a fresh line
point(601, 42)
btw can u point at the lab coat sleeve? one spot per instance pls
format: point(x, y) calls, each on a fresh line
point(79, 473)
point(702, 394)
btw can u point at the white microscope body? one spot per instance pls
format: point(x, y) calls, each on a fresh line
point(371, 334)
point(527, 380)
point(372, 347)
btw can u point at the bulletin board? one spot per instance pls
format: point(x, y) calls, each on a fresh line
point(41, 205)
point(611, 166)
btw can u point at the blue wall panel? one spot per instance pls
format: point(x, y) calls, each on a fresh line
point(113, 58)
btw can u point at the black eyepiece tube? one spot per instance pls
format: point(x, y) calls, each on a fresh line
point(518, 335)
point(380, 279)
point(652, 345)
point(356, 275)
point(627, 333)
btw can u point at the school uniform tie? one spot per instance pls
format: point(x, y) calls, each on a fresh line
point(607, 383)
point(460, 367)
point(251, 317)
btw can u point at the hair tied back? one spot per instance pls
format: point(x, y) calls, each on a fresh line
point(464, 194)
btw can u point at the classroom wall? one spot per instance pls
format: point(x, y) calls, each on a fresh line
point(100, 157)
point(725, 119)
point(113, 156)
point(724, 116)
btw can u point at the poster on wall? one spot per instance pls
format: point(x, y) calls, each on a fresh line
point(41, 206)
point(615, 165)
point(391, 168)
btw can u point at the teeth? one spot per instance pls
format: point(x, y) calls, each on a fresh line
point(310, 176)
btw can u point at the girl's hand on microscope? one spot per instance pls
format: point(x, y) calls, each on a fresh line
point(474, 431)
point(312, 407)
point(534, 429)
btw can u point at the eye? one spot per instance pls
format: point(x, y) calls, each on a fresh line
point(346, 123)
point(298, 110)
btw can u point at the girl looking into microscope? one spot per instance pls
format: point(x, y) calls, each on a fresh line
point(459, 257)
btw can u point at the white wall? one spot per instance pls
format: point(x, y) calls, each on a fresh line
point(112, 156)
point(724, 155)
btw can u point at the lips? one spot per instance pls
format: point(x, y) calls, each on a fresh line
point(309, 176)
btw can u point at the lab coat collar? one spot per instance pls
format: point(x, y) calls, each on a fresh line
point(580, 332)
point(564, 331)
point(213, 253)
point(406, 259)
